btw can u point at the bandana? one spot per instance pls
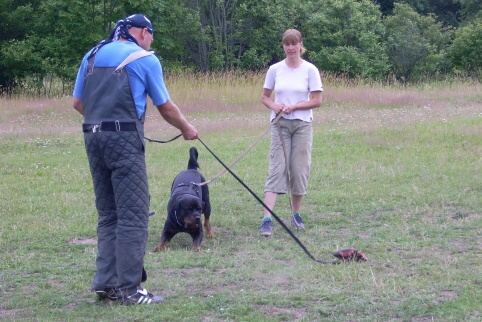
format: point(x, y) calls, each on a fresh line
point(139, 21)
point(121, 29)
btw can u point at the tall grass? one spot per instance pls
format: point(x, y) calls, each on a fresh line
point(397, 174)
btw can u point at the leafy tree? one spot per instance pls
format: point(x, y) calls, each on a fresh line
point(225, 34)
point(180, 36)
point(72, 31)
point(264, 22)
point(16, 21)
point(471, 10)
point(415, 43)
point(386, 6)
point(444, 11)
point(20, 59)
point(50, 37)
point(466, 49)
point(346, 36)
point(43, 38)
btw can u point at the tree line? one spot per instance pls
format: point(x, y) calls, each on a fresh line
point(406, 39)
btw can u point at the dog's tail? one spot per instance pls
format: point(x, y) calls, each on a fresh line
point(192, 164)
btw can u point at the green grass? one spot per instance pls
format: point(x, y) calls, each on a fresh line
point(397, 174)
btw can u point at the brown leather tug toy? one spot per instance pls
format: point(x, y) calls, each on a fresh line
point(349, 254)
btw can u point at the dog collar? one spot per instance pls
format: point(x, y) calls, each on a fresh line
point(175, 215)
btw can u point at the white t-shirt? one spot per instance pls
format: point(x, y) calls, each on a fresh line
point(292, 86)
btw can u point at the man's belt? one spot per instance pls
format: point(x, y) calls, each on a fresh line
point(109, 126)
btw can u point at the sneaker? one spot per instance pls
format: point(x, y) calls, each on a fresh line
point(266, 228)
point(107, 295)
point(296, 221)
point(142, 296)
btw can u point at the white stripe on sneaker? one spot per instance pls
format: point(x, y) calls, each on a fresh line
point(143, 300)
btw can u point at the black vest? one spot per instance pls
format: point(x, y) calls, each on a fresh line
point(108, 96)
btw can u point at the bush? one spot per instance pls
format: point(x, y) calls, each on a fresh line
point(465, 52)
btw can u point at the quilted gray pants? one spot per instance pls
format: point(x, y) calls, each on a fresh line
point(117, 165)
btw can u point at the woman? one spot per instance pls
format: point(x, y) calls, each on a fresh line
point(298, 88)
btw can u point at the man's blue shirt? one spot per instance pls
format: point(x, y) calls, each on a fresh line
point(145, 74)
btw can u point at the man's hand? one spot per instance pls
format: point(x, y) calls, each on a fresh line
point(190, 133)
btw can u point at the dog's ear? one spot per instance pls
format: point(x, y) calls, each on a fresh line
point(183, 201)
point(179, 201)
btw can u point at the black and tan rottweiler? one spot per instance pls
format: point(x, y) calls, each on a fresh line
point(188, 202)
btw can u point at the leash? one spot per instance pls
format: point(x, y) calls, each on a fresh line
point(275, 121)
point(267, 208)
point(288, 180)
point(158, 141)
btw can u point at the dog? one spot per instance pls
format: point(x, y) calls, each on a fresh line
point(186, 205)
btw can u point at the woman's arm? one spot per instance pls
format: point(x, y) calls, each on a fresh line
point(268, 102)
point(316, 99)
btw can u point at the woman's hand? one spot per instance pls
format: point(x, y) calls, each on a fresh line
point(289, 109)
point(278, 108)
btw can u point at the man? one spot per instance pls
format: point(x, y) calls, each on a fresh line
point(113, 103)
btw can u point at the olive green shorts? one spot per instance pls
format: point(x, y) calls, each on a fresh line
point(298, 139)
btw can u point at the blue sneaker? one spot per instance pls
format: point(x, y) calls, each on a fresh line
point(266, 228)
point(297, 221)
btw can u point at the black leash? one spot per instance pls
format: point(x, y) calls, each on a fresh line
point(157, 141)
point(271, 212)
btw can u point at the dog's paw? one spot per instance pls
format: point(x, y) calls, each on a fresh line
point(210, 234)
point(159, 248)
point(208, 230)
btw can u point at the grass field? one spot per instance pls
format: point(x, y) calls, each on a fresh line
point(397, 174)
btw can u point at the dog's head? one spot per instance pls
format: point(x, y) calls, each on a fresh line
point(188, 210)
